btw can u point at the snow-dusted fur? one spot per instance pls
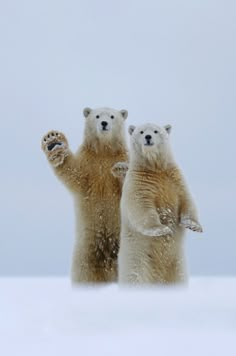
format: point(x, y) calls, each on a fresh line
point(155, 208)
point(96, 191)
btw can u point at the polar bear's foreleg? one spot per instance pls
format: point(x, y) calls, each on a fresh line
point(147, 221)
point(189, 217)
point(55, 146)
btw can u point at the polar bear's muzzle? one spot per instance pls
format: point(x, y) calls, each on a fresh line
point(148, 140)
point(104, 126)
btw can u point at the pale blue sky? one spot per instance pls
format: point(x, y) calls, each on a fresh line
point(165, 61)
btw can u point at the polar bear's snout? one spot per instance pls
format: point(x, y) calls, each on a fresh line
point(104, 125)
point(148, 140)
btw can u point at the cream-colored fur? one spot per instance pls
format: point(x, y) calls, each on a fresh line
point(155, 208)
point(87, 174)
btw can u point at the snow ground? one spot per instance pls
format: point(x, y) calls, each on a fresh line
point(46, 316)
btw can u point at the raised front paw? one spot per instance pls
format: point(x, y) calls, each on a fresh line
point(120, 169)
point(55, 146)
point(158, 231)
point(191, 224)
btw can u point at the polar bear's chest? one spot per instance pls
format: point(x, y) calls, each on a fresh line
point(98, 183)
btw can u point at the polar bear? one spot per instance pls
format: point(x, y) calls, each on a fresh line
point(156, 206)
point(87, 174)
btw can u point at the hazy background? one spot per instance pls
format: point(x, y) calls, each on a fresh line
point(165, 61)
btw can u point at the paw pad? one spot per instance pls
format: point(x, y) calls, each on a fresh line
point(53, 140)
point(51, 146)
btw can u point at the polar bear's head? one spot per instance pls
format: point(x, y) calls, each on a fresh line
point(149, 136)
point(104, 124)
point(150, 141)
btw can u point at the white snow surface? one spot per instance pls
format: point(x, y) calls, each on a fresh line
point(46, 316)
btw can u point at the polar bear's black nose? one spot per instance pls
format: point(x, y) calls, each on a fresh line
point(104, 124)
point(148, 137)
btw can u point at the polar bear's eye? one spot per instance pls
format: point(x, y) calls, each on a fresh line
point(112, 116)
point(97, 117)
point(141, 132)
point(155, 131)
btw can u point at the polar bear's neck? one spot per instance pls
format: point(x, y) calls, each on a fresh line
point(151, 159)
point(113, 144)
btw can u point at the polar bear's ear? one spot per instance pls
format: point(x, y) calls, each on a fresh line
point(168, 128)
point(124, 113)
point(87, 111)
point(131, 129)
